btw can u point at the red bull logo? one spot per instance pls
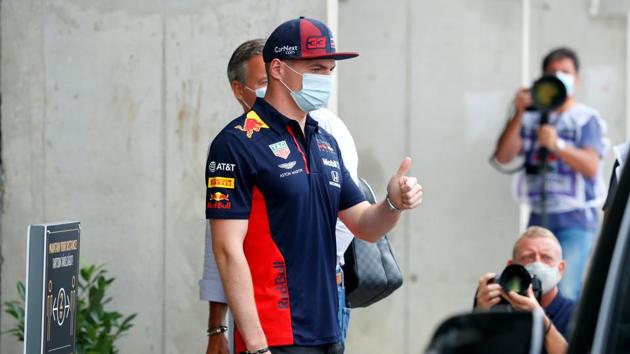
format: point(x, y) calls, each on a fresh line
point(252, 124)
point(281, 285)
point(219, 200)
point(218, 197)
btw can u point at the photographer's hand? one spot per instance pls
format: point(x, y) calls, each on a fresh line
point(489, 293)
point(547, 137)
point(522, 100)
point(523, 303)
point(510, 142)
point(555, 343)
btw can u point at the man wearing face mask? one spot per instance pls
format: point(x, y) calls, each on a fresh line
point(539, 252)
point(575, 137)
point(273, 215)
point(248, 80)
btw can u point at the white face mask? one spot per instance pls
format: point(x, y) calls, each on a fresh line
point(568, 80)
point(549, 276)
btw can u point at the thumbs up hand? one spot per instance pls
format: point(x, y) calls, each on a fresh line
point(404, 192)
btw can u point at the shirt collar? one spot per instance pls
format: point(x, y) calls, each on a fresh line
point(276, 120)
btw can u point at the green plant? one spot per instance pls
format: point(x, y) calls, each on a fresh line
point(16, 310)
point(97, 329)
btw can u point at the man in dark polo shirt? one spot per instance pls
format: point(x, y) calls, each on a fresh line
point(539, 252)
point(276, 183)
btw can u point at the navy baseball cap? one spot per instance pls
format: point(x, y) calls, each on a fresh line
point(302, 38)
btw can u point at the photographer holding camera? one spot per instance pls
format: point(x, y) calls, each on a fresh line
point(562, 150)
point(539, 252)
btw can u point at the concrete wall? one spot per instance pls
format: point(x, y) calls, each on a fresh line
point(434, 80)
point(108, 108)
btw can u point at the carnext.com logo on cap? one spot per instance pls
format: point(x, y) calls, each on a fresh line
point(289, 50)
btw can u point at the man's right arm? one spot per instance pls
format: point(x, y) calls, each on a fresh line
point(554, 340)
point(211, 290)
point(218, 343)
point(228, 236)
point(490, 293)
point(510, 142)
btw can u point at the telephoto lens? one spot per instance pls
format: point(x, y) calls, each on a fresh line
point(548, 93)
point(515, 278)
point(518, 279)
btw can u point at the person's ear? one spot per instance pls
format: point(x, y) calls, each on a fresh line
point(275, 69)
point(578, 79)
point(237, 90)
point(561, 267)
point(510, 262)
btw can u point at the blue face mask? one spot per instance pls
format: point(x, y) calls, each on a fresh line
point(260, 92)
point(568, 80)
point(315, 91)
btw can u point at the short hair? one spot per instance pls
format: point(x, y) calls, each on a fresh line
point(237, 66)
point(536, 232)
point(561, 53)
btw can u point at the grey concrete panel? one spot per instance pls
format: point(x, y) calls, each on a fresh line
point(100, 155)
point(474, 75)
point(372, 102)
point(618, 8)
point(463, 84)
point(22, 115)
point(104, 153)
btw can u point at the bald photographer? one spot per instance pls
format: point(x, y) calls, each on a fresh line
point(537, 251)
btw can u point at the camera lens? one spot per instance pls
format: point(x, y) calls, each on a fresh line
point(515, 278)
point(548, 93)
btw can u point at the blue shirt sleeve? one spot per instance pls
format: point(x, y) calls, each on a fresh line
point(229, 179)
point(591, 136)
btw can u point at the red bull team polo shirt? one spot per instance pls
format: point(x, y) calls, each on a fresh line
point(290, 186)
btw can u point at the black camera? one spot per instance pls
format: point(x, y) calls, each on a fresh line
point(516, 278)
point(548, 94)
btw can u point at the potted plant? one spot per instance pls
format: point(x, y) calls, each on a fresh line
point(97, 328)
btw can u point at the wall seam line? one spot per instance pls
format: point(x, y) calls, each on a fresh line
point(407, 146)
point(163, 139)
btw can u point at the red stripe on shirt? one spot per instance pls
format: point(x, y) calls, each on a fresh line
point(308, 171)
point(268, 270)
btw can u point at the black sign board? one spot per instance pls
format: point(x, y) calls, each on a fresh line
point(52, 288)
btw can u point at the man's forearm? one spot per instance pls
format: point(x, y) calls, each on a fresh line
point(217, 313)
point(554, 341)
point(375, 220)
point(510, 142)
point(217, 341)
point(237, 283)
point(584, 161)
